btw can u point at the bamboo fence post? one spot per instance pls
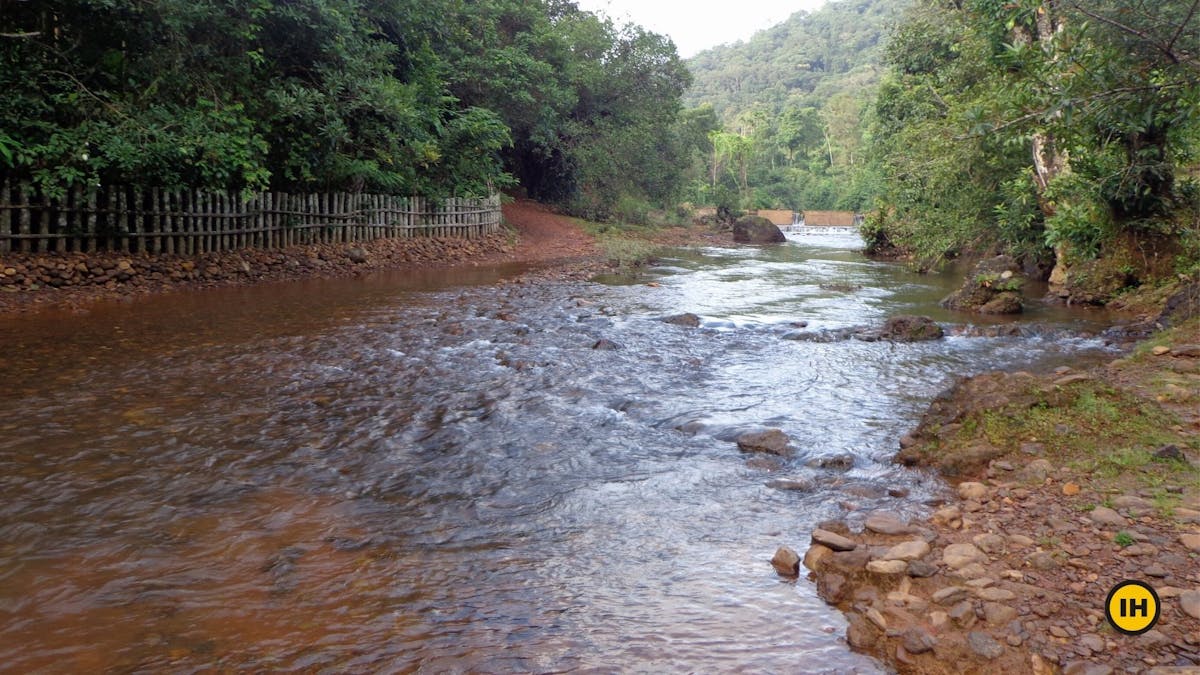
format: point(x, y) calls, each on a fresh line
point(65, 222)
point(91, 220)
point(43, 243)
point(110, 218)
point(154, 222)
point(285, 208)
point(24, 211)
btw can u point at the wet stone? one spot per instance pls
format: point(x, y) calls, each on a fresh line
point(834, 541)
point(786, 562)
point(909, 550)
point(883, 522)
point(769, 441)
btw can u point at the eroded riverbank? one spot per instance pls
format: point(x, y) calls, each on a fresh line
point(1068, 482)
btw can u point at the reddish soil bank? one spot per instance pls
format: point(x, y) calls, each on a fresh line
point(33, 281)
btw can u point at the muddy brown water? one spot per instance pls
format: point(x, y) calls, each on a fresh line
point(438, 473)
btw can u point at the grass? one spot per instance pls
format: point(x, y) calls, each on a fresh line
point(1123, 539)
point(1110, 433)
point(624, 245)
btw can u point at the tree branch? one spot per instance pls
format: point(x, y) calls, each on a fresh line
point(21, 36)
point(1182, 26)
point(1168, 50)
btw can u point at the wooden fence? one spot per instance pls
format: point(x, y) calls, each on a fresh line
point(189, 221)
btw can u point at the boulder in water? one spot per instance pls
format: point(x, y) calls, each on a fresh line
point(770, 441)
point(757, 230)
point(993, 287)
point(688, 320)
point(910, 328)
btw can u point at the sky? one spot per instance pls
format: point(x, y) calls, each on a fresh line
point(696, 25)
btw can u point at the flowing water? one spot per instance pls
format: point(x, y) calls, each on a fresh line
point(440, 473)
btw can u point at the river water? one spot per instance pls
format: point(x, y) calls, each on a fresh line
point(438, 472)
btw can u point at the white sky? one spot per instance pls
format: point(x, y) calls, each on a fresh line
point(696, 25)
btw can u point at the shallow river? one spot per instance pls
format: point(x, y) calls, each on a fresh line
point(439, 473)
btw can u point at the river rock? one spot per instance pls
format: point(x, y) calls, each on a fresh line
point(687, 320)
point(950, 595)
point(921, 569)
point(1189, 602)
point(356, 254)
point(972, 491)
point(958, 556)
point(606, 345)
point(997, 614)
point(834, 541)
point(1191, 541)
point(883, 522)
point(984, 645)
point(1102, 515)
point(887, 566)
point(815, 555)
point(757, 230)
point(770, 441)
point(917, 640)
point(910, 328)
point(786, 562)
point(909, 550)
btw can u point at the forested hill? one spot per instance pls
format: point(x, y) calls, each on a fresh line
point(823, 52)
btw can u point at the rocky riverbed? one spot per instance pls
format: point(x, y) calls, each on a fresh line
point(1066, 483)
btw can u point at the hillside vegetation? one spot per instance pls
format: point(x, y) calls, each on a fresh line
point(439, 97)
point(789, 110)
point(1066, 133)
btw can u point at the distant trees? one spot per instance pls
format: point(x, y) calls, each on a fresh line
point(429, 96)
point(799, 94)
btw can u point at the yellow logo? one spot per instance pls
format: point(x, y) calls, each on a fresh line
point(1132, 607)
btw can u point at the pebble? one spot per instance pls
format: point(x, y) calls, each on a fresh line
point(984, 645)
point(1191, 541)
point(918, 641)
point(786, 562)
point(883, 522)
point(997, 614)
point(957, 556)
point(1093, 642)
point(909, 550)
point(995, 594)
point(992, 544)
point(1070, 489)
point(963, 614)
point(972, 491)
point(834, 541)
point(1041, 560)
point(1161, 350)
point(1189, 602)
point(1102, 515)
point(950, 595)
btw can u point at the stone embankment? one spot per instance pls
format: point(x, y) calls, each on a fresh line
point(29, 280)
point(1067, 483)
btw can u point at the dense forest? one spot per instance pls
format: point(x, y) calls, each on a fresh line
point(436, 97)
point(792, 109)
point(1060, 131)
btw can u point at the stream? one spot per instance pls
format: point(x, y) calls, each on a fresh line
point(436, 472)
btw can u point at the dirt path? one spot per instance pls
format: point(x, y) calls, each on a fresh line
point(545, 236)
